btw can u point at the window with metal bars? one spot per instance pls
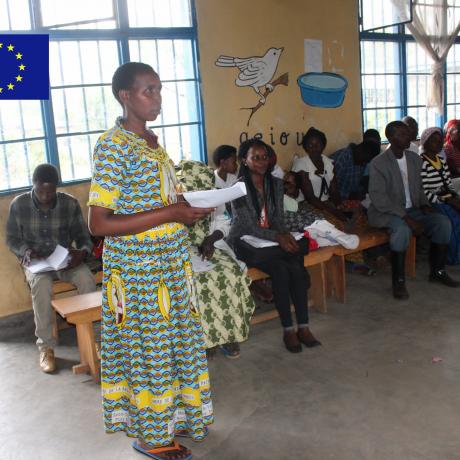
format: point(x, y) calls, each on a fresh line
point(395, 74)
point(88, 41)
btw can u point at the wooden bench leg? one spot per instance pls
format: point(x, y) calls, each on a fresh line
point(410, 257)
point(262, 317)
point(81, 369)
point(87, 347)
point(267, 316)
point(318, 287)
point(54, 324)
point(336, 272)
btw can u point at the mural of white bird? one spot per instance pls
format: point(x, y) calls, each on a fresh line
point(256, 71)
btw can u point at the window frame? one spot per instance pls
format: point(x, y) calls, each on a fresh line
point(401, 38)
point(121, 35)
point(447, 73)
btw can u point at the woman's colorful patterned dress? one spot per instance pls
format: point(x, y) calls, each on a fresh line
point(224, 300)
point(154, 372)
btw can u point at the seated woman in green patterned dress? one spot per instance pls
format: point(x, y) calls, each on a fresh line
point(154, 376)
point(224, 300)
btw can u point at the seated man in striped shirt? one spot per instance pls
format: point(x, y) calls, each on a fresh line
point(437, 185)
point(38, 221)
point(399, 204)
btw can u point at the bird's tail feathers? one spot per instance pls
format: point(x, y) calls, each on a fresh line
point(226, 61)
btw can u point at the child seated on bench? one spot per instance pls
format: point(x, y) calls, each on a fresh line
point(297, 213)
point(224, 158)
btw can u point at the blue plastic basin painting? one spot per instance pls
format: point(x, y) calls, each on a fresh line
point(323, 89)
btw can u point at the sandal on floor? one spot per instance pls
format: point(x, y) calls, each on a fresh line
point(231, 350)
point(186, 434)
point(175, 448)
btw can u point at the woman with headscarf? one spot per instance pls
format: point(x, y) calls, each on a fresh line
point(437, 185)
point(452, 146)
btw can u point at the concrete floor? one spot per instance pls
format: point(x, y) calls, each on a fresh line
point(371, 391)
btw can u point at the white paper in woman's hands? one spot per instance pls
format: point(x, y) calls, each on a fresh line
point(215, 197)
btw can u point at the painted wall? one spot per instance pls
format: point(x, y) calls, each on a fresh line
point(247, 28)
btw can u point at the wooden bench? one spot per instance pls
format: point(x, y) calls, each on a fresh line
point(318, 292)
point(82, 310)
point(315, 262)
point(327, 273)
point(61, 287)
point(367, 239)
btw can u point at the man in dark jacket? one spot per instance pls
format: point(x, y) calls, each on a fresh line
point(399, 204)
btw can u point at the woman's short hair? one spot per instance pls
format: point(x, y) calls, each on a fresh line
point(313, 132)
point(223, 152)
point(124, 76)
point(45, 174)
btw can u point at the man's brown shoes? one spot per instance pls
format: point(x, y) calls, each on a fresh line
point(47, 361)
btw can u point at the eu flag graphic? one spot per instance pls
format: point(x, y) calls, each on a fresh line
point(24, 66)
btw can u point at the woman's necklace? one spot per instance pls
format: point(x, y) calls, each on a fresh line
point(435, 163)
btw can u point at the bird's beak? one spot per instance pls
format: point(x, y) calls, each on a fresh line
point(281, 49)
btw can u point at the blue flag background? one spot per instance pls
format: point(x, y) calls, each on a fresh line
point(24, 66)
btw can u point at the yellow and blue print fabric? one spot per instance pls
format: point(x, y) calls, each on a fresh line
point(154, 372)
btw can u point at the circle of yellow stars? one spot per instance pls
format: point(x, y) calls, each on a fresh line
point(21, 68)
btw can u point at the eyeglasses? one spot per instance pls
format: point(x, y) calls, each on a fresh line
point(259, 158)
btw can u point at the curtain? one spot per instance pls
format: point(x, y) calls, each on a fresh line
point(434, 27)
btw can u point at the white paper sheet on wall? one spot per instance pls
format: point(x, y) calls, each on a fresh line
point(313, 55)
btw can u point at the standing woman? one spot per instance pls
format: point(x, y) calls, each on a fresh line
point(437, 185)
point(260, 214)
point(155, 382)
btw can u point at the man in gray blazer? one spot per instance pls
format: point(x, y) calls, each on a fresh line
point(400, 205)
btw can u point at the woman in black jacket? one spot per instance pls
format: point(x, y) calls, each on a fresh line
point(260, 214)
